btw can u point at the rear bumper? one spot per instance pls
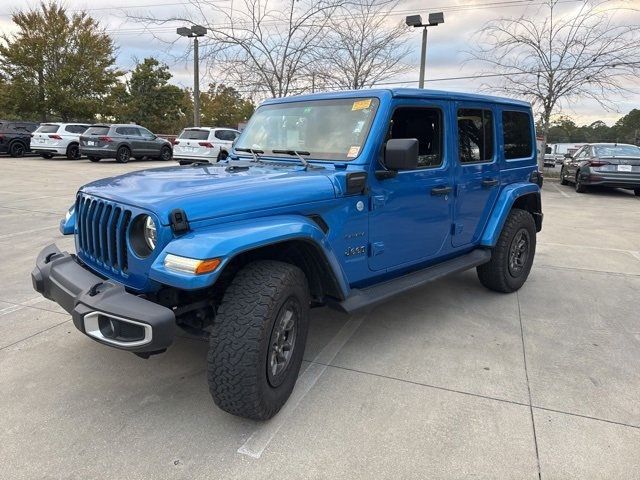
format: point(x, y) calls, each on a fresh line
point(58, 151)
point(97, 152)
point(102, 309)
point(191, 158)
point(613, 180)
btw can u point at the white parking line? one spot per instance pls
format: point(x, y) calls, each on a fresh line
point(635, 254)
point(11, 235)
point(20, 306)
point(262, 436)
point(562, 192)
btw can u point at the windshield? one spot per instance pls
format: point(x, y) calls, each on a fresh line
point(97, 131)
point(326, 129)
point(48, 129)
point(193, 134)
point(617, 151)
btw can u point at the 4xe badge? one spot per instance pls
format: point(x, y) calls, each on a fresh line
point(351, 251)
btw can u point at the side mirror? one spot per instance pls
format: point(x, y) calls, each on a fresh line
point(568, 155)
point(401, 154)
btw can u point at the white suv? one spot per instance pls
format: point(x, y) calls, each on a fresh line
point(58, 139)
point(208, 144)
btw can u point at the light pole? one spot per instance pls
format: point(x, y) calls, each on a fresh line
point(416, 21)
point(194, 32)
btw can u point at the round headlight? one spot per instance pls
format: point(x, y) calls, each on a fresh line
point(150, 233)
point(143, 235)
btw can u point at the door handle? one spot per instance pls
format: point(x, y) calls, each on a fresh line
point(445, 190)
point(489, 182)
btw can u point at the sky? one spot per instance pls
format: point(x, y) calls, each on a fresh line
point(446, 56)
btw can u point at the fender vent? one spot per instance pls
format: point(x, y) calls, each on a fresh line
point(320, 222)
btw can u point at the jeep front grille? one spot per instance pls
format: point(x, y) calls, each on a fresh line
point(101, 232)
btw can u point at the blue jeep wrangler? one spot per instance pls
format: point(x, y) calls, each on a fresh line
point(340, 199)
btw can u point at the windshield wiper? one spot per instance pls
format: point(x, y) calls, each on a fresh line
point(297, 153)
point(254, 152)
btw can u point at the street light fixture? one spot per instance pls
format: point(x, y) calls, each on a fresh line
point(415, 21)
point(194, 32)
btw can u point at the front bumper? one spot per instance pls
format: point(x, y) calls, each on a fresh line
point(102, 309)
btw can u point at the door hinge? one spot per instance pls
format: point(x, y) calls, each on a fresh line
point(376, 248)
point(377, 201)
point(456, 228)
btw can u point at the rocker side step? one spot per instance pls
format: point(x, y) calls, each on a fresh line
point(367, 297)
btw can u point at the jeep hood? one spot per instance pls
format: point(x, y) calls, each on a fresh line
point(208, 191)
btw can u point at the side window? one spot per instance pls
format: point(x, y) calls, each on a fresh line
point(219, 134)
point(133, 131)
point(76, 128)
point(517, 139)
point(423, 124)
point(122, 131)
point(475, 135)
point(143, 132)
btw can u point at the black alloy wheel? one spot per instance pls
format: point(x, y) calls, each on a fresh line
point(519, 252)
point(123, 155)
point(73, 152)
point(165, 154)
point(283, 341)
point(17, 150)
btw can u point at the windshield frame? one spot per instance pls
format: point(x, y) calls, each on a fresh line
point(375, 106)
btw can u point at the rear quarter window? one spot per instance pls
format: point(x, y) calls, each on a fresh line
point(517, 137)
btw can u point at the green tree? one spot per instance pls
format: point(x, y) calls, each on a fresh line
point(223, 106)
point(627, 129)
point(58, 65)
point(149, 99)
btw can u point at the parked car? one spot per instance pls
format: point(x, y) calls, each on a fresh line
point(15, 137)
point(614, 165)
point(556, 152)
point(208, 144)
point(342, 199)
point(123, 141)
point(52, 139)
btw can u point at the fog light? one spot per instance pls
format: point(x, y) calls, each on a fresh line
point(190, 265)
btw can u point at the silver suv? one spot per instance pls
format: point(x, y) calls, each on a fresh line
point(123, 141)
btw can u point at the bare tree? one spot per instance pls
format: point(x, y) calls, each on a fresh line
point(552, 58)
point(362, 47)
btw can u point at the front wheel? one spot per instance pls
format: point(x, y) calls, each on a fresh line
point(165, 154)
point(123, 155)
point(73, 152)
point(512, 256)
point(258, 339)
point(563, 180)
point(580, 187)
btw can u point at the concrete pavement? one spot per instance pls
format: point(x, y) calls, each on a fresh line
point(451, 381)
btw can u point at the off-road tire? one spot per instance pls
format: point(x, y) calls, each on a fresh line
point(73, 151)
point(563, 181)
point(17, 149)
point(580, 187)
point(47, 156)
point(496, 274)
point(239, 348)
point(94, 159)
point(123, 154)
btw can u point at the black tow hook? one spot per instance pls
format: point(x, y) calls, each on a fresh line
point(93, 291)
point(146, 355)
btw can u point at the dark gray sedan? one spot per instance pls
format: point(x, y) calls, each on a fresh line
point(123, 141)
point(615, 165)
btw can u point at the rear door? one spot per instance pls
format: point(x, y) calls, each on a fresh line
point(477, 171)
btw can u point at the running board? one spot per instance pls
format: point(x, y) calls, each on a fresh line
point(370, 296)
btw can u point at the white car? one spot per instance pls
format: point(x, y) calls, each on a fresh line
point(208, 144)
point(58, 139)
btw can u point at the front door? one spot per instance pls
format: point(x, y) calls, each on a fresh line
point(478, 172)
point(410, 216)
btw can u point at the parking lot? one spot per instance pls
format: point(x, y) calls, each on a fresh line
point(449, 381)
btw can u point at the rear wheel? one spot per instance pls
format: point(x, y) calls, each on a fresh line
point(512, 256)
point(17, 149)
point(165, 154)
point(637, 192)
point(123, 154)
point(580, 187)
point(73, 151)
point(563, 180)
point(48, 156)
point(94, 159)
point(222, 155)
point(258, 339)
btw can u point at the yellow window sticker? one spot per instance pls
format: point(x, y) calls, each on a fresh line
point(353, 151)
point(361, 104)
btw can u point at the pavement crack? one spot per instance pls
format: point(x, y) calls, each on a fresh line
point(526, 373)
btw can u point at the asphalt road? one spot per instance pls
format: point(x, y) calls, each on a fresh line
point(451, 381)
